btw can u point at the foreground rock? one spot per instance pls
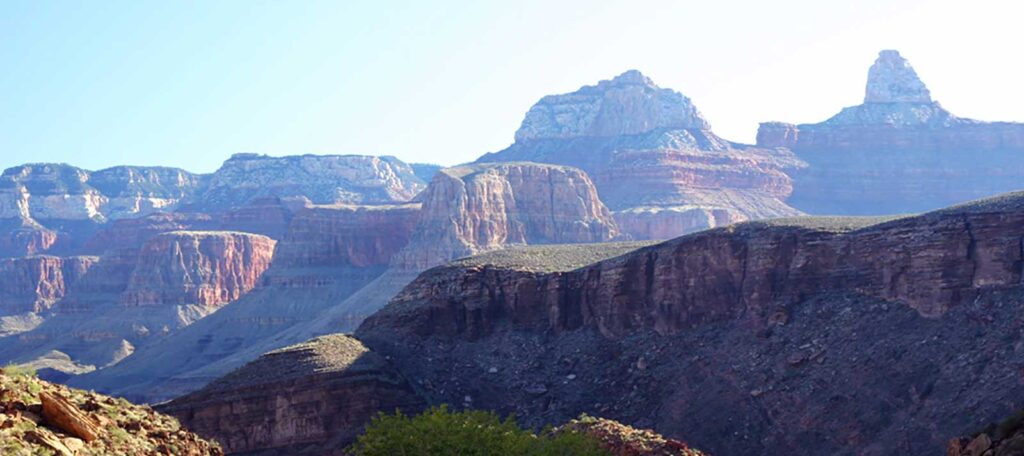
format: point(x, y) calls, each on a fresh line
point(653, 157)
point(621, 440)
point(1005, 438)
point(311, 398)
point(898, 152)
point(38, 417)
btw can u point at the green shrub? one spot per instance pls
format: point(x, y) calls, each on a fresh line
point(439, 431)
point(15, 370)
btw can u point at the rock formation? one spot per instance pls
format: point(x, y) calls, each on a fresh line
point(205, 268)
point(898, 152)
point(313, 397)
point(31, 285)
point(653, 157)
point(476, 208)
point(808, 335)
point(323, 179)
point(56, 207)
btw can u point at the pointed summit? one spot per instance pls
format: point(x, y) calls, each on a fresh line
point(633, 77)
point(892, 80)
point(628, 104)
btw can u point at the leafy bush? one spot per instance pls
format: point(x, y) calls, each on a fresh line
point(439, 431)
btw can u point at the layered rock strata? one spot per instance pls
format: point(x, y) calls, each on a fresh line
point(898, 152)
point(810, 336)
point(648, 149)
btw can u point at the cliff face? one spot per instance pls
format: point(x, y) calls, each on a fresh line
point(323, 179)
point(55, 208)
point(794, 335)
point(194, 267)
point(470, 209)
point(313, 397)
point(648, 149)
point(35, 284)
point(338, 235)
point(898, 152)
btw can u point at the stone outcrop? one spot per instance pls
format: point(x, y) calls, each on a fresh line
point(1005, 438)
point(808, 335)
point(269, 216)
point(323, 179)
point(476, 208)
point(648, 149)
point(313, 397)
point(622, 440)
point(205, 268)
point(38, 417)
point(898, 152)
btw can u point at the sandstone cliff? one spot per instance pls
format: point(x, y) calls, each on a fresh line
point(809, 336)
point(653, 157)
point(32, 285)
point(205, 268)
point(899, 152)
point(476, 208)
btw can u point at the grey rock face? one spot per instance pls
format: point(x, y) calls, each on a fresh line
point(324, 179)
point(629, 104)
point(892, 80)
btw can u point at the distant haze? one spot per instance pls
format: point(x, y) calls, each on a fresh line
point(97, 84)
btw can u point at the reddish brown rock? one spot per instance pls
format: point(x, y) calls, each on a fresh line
point(269, 216)
point(347, 235)
point(35, 284)
point(132, 233)
point(195, 267)
point(476, 208)
point(313, 397)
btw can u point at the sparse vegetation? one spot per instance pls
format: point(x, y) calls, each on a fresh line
point(439, 431)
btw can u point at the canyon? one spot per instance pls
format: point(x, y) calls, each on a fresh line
point(340, 263)
point(841, 335)
point(618, 259)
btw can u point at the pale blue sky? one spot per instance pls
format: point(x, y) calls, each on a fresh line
point(187, 84)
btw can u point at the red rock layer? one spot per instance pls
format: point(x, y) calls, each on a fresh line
point(347, 235)
point(35, 284)
point(203, 268)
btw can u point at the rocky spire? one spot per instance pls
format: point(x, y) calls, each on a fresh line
point(892, 80)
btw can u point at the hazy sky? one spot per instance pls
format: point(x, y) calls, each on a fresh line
point(99, 83)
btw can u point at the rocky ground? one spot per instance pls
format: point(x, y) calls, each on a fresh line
point(42, 418)
point(621, 440)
